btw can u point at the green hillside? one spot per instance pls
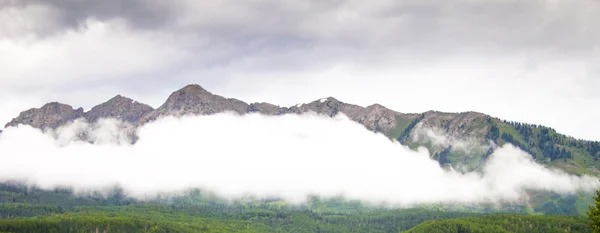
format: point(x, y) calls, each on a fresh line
point(548, 147)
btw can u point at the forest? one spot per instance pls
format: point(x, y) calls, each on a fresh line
point(505, 223)
point(30, 209)
point(544, 143)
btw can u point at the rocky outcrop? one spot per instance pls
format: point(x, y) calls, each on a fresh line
point(195, 100)
point(266, 109)
point(465, 124)
point(51, 115)
point(374, 117)
point(119, 107)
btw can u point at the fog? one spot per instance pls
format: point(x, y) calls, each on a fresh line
point(438, 138)
point(290, 156)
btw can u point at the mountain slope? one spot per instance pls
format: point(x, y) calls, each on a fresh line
point(119, 107)
point(374, 117)
point(195, 100)
point(51, 115)
point(463, 140)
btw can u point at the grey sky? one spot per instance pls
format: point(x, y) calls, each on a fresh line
point(536, 61)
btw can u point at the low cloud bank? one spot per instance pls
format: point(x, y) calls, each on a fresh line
point(289, 156)
point(438, 138)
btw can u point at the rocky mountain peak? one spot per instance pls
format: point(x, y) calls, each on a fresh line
point(119, 107)
point(195, 100)
point(375, 117)
point(50, 115)
point(193, 88)
point(326, 106)
point(456, 124)
point(120, 98)
point(377, 107)
point(327, 100)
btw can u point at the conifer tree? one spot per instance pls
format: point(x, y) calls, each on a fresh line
point(594, 214)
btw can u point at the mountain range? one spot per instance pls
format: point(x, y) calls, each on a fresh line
point(461, 140)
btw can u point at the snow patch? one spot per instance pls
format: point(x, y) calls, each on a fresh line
point(323, 100)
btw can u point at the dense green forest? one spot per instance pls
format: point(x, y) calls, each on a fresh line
point(27, 209)
point(30, 209)
point(505, 223)
point(544, 143)
point(547, 146)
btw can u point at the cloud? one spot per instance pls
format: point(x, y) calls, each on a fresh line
point(290, 156)
point(94, 51)
point(105, 131)
point(531, 61)
point(538, 23)
point(70, 14)
point(440, 139)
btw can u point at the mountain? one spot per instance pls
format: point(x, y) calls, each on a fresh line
point(121, 108)
point(51, 115)
point(195, 100)
point(462, 140)
point(374, 117)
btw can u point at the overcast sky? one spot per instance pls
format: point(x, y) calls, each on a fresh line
point(535, 61)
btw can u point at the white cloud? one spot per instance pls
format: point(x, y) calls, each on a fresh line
point(533, 61)
point(96, 51)
point(25, 22)
point(291, 156)
point(441, 140)
point(105, 131)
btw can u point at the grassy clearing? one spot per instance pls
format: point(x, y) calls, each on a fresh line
point(401, 125)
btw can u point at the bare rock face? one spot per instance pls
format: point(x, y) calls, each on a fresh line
point(195, 100)
point(465, 124)
point(266, 109)
point(326, 106)
point(121, 108)
point(379, 118)
point(374, 117)
point(51, 115)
